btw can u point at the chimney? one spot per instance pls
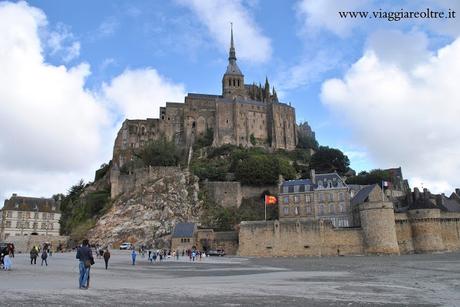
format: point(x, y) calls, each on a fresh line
point(426, 193)
point(440, 199)
point(15, 195)
point(416, 194)
point(457, 191)
point(313, 175)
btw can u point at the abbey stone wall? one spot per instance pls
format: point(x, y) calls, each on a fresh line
point(416, 232)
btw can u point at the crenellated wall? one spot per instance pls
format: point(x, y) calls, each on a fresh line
point(427, 230)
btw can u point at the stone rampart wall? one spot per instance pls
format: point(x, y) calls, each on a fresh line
point(298, 238)
point(23, 244)
point(121, 183)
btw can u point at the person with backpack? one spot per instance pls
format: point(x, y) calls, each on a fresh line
point(85, 257)
point(44, 257)
point(33, 255)
point(106, 256)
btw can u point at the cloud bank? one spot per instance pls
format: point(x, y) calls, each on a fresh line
point(404, 109)
point(54, 130)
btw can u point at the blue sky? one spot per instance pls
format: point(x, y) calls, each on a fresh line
point(371, 87)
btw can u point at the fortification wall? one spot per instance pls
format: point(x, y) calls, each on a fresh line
point(404, 233)
point(378, 224)
point(426, 230)
point(450, 230)
point(224, 193)
point(297, 238)
point(121, 183)
point(23, 244)
point(249, 191)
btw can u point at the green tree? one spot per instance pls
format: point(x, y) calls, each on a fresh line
point(258, 170)
point(160, 153)
point(328, 160)
point(375, 176)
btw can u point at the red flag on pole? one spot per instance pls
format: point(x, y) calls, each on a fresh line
point(270, 200)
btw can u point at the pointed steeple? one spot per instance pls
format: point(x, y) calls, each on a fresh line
point(267, 89)
point(232, 53)
point(232, 67)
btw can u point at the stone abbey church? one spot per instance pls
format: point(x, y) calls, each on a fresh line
point(244, 114)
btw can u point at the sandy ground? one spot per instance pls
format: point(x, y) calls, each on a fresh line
point(415, 280)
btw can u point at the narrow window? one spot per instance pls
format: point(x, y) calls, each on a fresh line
point(238, 82)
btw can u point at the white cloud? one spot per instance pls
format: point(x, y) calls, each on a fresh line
point(139, 93)
point(251, 44)
point(404, 114)
point(318, 15)
point(309, 69)
point(53, 130)
point(62, 42)
point(49, 124)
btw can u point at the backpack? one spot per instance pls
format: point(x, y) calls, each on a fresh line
point(44, 255)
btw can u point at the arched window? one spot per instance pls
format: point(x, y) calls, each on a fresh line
point(342, 207)
point(229, 82)
point(233, 82)
point(238, 82)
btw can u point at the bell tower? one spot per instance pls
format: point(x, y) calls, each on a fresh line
point(233, 80)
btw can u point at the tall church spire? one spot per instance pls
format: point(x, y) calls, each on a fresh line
point(233, 79)
point(232, 53)
point(232, 67)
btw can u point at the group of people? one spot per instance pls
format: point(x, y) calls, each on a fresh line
point(35, 251)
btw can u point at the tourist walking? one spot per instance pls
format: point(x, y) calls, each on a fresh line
point(33, 255)
point(85, 256)
point(133, 256)
point(7, 262)
point(44, 257)
point(106, 258)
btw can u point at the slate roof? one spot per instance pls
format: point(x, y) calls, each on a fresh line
point(334, 178)
point(423, 203)
point(184, 230)
point(362, 195)
point(35, 204)
point(297, 182)
point(449, 204)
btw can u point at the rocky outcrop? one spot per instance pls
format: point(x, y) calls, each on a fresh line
point(148, 208)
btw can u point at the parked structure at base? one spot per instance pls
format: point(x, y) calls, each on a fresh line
point(186, 236)
point(422, 228)
point(23, 216)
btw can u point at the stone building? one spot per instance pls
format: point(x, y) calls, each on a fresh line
point(186, 236)
point(243, 114)
point(22, 216)
point(324, 196)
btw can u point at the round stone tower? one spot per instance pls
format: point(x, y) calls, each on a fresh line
point(424, 218)
point(377, 222)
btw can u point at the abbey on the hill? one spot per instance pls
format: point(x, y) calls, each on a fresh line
point(244, 114)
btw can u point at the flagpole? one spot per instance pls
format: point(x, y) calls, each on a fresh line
point(265, 203)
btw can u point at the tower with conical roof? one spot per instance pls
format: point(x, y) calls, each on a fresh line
point(233, 79)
